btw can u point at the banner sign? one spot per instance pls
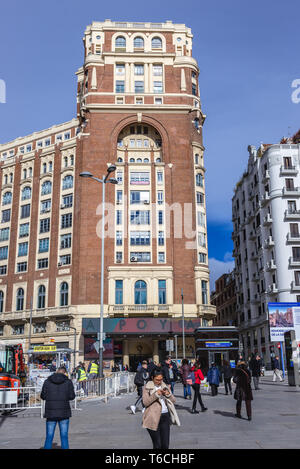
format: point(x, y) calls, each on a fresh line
point(140, 325)
point(217, 344)
point(283, 317)
point(44, 348)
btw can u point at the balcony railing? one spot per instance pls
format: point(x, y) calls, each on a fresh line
point(284, 170)
point(292, 214)
point(127, 309)
point(294, 262)
point(37, 313)
point(291, 191)
point(295, 238)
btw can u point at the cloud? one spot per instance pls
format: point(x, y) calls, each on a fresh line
point(218, 268)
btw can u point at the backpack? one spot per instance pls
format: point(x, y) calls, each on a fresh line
point(191, 379)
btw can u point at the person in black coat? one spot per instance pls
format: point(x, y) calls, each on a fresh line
point(243, 392)
point(227, 375)
point(170, 373)
point(141, 378)
point(57, 391)
point(255, 367)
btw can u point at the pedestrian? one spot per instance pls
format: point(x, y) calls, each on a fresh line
point(93, 370)
point(213, 377)
point(141, 378)
point(170, 373)
point(276, 369)
point(184, 372)
point(151, 366)
point(82, 378)
point(243, 392)
point(227, 374)
point(57, 391)
point(198, 377)
point(255, 367)
point(160, 411)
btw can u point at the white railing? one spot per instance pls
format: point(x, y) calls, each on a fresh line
point(113, 385)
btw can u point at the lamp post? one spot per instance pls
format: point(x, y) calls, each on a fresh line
point(104, 180)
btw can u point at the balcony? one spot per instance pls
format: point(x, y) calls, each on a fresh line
point(252, 235)
point(269, 242)
point(288, 170)
point(254, 256)
point(295, 287)
point(293, 239)
point(266, 176)
point(267, 220)
point(294, 262)
point(271, 266)
point(130, 309)
point(291, 192)
point(45, 313)
point(272, 289)
point(292, 214)
point(206, 310)
point(255, 277)
point(264, 199)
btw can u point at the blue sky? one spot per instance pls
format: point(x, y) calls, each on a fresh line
point(248, 53)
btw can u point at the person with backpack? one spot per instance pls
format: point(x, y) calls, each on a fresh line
point(184, 372)
point(141, 378)
point(194, 378)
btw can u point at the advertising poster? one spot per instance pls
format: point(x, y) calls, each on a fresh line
point(91, 348)
point(282, 318)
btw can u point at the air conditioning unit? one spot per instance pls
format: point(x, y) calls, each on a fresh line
point(62, 206)
point(133, 259)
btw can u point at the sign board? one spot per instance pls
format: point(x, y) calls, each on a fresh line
point(170, 345)
point(283, 317)
point(44, 348)
point(218, 344)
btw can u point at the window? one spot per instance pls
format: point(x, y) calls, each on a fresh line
point(119, 292)
point(44, 225)
point(7, 198)
point(297, 278)
point(139, 100)
point(204, 292)
point(120, 69)
point(196, 158)
point(67, 201)
point(157, 70)
point(44, 168)
point(159, 176)
point(140, 217)
point(119, 256)
point(161, 257)
point(201, 219)
point(156, 43)
point(292, 208)
point(202, 258)
point(162, 292)
point(289, 184)
point(64, 260)
point(287, 162)
point(5, 216)
point(160, 197)
point(161, 238)
point(25, 211)
point(1, 301)
point(42, 263)
point(139, 69)
point(20, 299)
point(21, 266)
point(140, 238)
point(296, 254)
point(140, 257)
point(139, 197)
point(119, 217)
point(3, 269)
point(202, 240)
point(23, 249)
point(67, 182)
point(158, 101)
point(41, 297)
point(157, 87)
point(4, 234)
point(120, 86)
point(3, 252)
point(139, 87)
point(39, 328)
point(65, 241)
point(138, 43)
point(64, 294)
point(200, 198)
point(66, 220)
point(119, 197)
point(294, 230)
point(194, 89)
point(160, 217)
point(44, 245)
point(46, 187)
point(119, 238)
point(199, 180)
point(26, 193)
point(140, 178)
point(67, 135)
point(140, 293)
point(120, 42)
point(18, 329)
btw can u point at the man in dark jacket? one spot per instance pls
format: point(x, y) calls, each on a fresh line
point(57, 391)
point(255, 367)
point(170, 373)
point(140, 380)
point(227, 374)
point(276, 369)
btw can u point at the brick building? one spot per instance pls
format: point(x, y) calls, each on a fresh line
point(224, 299)
point(138, 107)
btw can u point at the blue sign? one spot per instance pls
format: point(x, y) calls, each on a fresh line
point(218, 344)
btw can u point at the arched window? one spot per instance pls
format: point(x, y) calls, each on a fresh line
point(26, 193)
point(67, 182)
point(120, 160)
point(1, 301)
point(46, 187)
point(11, 177)
point(140, 293)
point(20, 299)
point(44, 168)
point(66, 161)
point(132, 160)
point(146, 160)
point(158, 160)
point(7, 197)
point(64, 294)
point(139, 160)
point(5, 179)
point(156, 43)
point(24, 173)
point(199, 180)
point(50, 166)
point(120, 42)
point(196, 158)
point(41, 297)
point(138, 43)
point(30, 172)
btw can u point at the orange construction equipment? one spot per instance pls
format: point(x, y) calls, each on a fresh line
point(12, 366)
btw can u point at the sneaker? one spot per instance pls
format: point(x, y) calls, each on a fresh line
point(132, 407)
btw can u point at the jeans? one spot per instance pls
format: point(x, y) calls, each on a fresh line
point(140, 396)
point(255, 381)
point(161, 437)
point(187, 390)
point(172, 386)
point(63, 429)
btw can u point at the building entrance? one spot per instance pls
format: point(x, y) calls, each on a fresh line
point(218, 358)
point(134, 360)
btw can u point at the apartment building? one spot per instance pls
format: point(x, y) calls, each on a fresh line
point(224, 299)
point(138, 108)
point(266, 216)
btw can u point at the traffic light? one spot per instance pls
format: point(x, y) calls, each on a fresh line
point(278, 345)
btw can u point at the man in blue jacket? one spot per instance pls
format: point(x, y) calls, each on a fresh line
point(213, 377)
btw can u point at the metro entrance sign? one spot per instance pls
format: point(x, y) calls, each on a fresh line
point(140, 325)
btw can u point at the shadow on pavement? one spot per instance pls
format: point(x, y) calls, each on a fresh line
point(225, 414)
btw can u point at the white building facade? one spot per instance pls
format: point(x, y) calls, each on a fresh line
point(266, 236)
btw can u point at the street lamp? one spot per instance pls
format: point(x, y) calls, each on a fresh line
point(104, 180)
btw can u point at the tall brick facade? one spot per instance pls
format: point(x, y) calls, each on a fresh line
point(138, 107)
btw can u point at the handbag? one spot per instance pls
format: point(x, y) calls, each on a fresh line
point(191, 379)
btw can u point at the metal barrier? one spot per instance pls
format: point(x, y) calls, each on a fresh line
point(113, 385)
point(12, 399)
